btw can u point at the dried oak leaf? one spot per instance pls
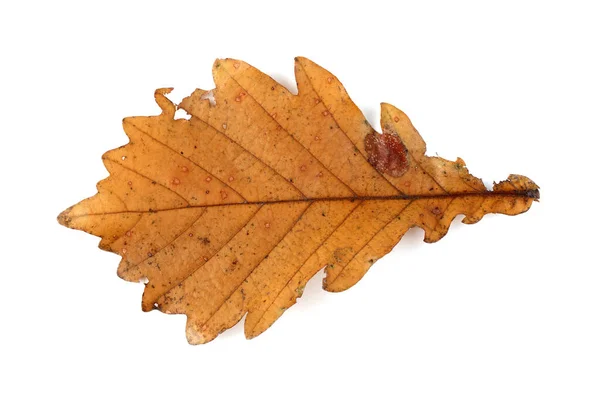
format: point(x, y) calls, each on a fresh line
point(234, 210)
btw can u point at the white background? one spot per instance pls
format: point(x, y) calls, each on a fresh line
point(505, 309)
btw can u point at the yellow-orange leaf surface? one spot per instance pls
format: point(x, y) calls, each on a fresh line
point(232, 211)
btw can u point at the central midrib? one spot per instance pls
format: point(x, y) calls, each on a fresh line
point(530, 194)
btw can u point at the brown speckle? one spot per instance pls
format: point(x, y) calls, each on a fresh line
point(223, 194)
point(436, 211)
point(267, 225)
point(150, 254)
point(396, 119)
point(236, 65)
point(123, 250)
point(325, 113)
point(317, 101)
point(341, 253)
point(175, 181)
point(208, 179)
point(184, 169)
point(130, 183)
point(317, 138)
point(329, 80)
point(190, 234)
point(231, 179)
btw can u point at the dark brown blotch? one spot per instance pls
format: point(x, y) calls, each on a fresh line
point(387, 153)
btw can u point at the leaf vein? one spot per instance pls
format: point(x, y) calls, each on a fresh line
point(344, 132)
point(187, 158)
point(290, 135)
point(256, 266)
point(151, 180)
point(369, 241)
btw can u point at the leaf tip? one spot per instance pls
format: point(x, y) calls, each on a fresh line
point(533, 194)
point(166, 106)
point(521, 184)
point(301, 60)
point(64, 218)
point(193, 335)
point(251, 334)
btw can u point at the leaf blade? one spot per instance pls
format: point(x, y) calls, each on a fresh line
point(231, 212)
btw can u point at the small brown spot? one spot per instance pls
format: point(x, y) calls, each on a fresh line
point(396, 119)
point(436, 211)
point(123, 158)
point(184, 169)
point(207, 192)
point(320, 174)
point(128, 233)
point(272, 87)
point(130, 183)
point(274, 115)
point(123, 251)
point(176, 181)
point(267, 225)
point(208, 179)
point(317, 101)
point(341, 253)
point(205, 258)
point(231, 179)
point(238, 99)
point(223, 194)
point(329, 80)
point(150, 254)
point(190, 234)
point(236, 65)
point(325, 113)
point(317, 138)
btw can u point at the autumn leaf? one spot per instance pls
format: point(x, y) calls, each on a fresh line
point(232, 211)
